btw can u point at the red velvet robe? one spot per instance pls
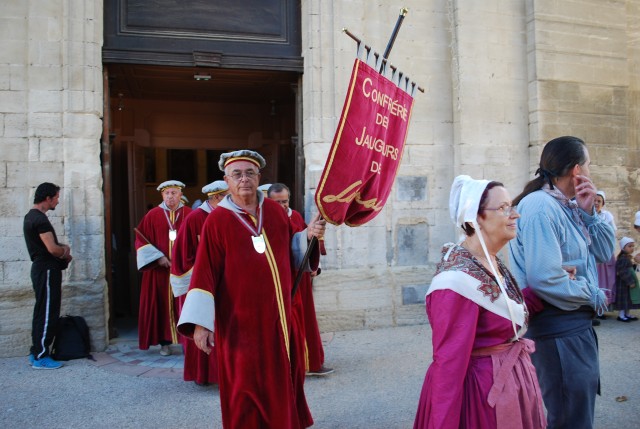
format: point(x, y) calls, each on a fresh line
point(314, 353)
point(198, 366)
point(157, 317)
point(251, 293)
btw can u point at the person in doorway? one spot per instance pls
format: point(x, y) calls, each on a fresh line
point(240, 300)
point(154, 238)
point(198, 365)
point(606, 270)
point(627, 288)
point(481, 375)
point(49, 258)
point(303, 301)
point(264, 188)
point(559, 227)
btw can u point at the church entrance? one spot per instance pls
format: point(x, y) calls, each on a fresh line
point(167, 122)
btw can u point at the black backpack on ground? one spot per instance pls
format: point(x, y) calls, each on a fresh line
point(72, 339)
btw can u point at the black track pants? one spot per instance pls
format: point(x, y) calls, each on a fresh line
point(46, 311)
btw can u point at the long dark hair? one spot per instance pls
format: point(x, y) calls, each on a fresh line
point(469, 230)
point(558, 157)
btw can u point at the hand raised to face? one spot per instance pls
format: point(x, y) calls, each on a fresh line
point(585, 192)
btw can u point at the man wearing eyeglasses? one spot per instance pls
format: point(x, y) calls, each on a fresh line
point(240, 300)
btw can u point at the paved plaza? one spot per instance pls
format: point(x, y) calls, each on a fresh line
point(376, 385)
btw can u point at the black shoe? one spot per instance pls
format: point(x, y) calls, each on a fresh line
point(632, 318)
point(620, 319)
point(595, 322)
point(603, 317)
point(321, 372)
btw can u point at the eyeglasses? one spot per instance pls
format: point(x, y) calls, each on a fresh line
point(238, 175)
point(505, 210)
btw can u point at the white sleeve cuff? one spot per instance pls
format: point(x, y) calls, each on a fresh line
point(147, 254)
point(198, 309)
point(180, 284)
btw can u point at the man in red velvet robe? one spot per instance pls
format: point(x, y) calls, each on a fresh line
point(154, 239)
point(198, 365)
point(314, 353)
point(242, 280)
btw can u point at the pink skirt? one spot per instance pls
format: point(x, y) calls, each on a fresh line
point(515, 393)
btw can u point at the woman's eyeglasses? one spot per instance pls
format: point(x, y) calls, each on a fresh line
point(505, 210)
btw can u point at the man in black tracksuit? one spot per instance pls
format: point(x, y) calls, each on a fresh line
point(49, 259)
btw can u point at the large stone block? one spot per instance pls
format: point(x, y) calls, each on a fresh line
point(13, 51)
point(47, 52)
point(45, 125)
point(411, 244)
point(411, 315)
point(414, 294)
point(340, 320)
point(13, 249)
point(17, 272)
point(377, 296)
point(15, 125)
point(79, 175)
point(11, 226)
point(14, 202)
point(13, 149)
point(411, 188)
point(15, 9)
point(42, 101)
point(12, 27)
point(85, 127)
point(378, 318)
point(12, 101)
point(359, 247)
point(45, 77)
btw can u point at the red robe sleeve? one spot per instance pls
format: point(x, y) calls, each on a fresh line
point(148, 252)
point(184, 251)
point(199, 306)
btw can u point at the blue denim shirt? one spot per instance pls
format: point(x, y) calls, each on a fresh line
point(548, 239)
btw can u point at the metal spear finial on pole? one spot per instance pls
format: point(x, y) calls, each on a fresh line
point(394, 34)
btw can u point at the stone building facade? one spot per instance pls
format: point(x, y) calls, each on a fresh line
point(501, 79)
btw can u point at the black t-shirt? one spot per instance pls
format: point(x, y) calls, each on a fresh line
point(36, 223)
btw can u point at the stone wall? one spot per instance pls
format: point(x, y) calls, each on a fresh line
point(50, 127)
point(501, 79)
point(584, 81)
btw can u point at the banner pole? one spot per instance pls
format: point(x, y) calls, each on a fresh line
point(307, 254)
point(394, 34)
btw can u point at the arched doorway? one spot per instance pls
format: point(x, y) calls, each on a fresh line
point(173, 123)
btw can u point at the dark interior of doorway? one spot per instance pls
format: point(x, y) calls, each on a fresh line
point(135, 91)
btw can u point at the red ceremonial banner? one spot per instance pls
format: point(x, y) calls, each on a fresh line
point(366, 150)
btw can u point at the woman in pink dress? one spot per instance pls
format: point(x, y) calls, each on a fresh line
point(481, 375)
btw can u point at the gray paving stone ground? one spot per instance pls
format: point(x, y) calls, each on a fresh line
point(377, 383)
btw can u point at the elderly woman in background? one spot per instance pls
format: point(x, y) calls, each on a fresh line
point(481, 375)
point(606, 270)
